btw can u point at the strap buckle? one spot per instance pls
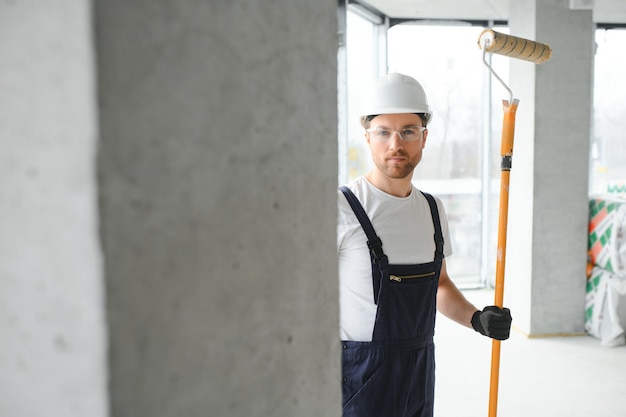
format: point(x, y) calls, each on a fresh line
point(376, 249)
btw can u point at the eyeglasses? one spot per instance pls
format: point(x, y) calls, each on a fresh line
point(407, 134)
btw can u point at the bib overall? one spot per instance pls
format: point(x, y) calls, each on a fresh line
point(394, 374)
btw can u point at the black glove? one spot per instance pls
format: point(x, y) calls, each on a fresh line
point(494, 322)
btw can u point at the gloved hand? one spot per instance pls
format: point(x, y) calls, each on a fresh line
point(494, 322)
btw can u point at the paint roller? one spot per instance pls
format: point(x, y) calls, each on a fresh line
point(537, 53)
point(514, 47)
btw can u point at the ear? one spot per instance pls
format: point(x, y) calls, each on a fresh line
point(424, 137)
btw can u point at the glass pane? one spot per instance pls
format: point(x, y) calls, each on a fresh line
point(608, 170)
point(447, 61)
point(362, 67)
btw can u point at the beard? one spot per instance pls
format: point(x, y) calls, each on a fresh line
point(397, 169)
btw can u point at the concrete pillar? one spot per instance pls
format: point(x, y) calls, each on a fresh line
point(547, 238)
point(218, 175)
point(52, 333)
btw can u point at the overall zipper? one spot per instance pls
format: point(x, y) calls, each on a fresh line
point(399, 279)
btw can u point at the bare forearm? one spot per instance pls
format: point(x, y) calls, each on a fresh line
point(452, 303)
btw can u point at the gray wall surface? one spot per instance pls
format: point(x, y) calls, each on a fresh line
point(218, 175)
point(168, 249)
point(52, 332)
point(549, 180)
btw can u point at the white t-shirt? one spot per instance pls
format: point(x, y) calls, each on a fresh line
point(405, 226)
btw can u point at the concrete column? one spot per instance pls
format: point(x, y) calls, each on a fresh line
point(218, 175)
point(547, 238)
point(52, 333)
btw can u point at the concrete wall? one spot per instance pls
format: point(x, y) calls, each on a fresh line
point(52, 333)
point(216, 182)
point(218, 175)
point(548, 217)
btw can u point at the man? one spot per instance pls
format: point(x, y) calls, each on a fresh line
point(392, 243)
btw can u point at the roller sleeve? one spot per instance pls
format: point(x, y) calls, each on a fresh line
point(514, 47)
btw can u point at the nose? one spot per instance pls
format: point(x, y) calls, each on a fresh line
point(395, 141)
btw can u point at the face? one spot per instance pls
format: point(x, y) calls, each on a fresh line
point(396, 158)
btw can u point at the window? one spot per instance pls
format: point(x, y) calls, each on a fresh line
point(366, 42)
point(608, 171)
point(458, 163)
point(461, 160)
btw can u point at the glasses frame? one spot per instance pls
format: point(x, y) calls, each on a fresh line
point(399, 132)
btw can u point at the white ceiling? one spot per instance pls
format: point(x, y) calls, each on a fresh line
point(604, 11)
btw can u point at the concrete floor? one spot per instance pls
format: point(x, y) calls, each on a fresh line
point(559, 376)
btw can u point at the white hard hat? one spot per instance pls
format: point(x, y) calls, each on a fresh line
point(395, 93)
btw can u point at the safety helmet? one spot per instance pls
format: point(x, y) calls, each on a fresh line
point(395, 93)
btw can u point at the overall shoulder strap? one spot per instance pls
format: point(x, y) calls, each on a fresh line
point(380, 263)
point(373, 241)
point(434, 212)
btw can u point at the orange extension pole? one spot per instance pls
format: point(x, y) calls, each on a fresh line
point(506, 153)
point(537, 53)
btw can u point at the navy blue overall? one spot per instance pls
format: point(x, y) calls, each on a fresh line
point(394, 374)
